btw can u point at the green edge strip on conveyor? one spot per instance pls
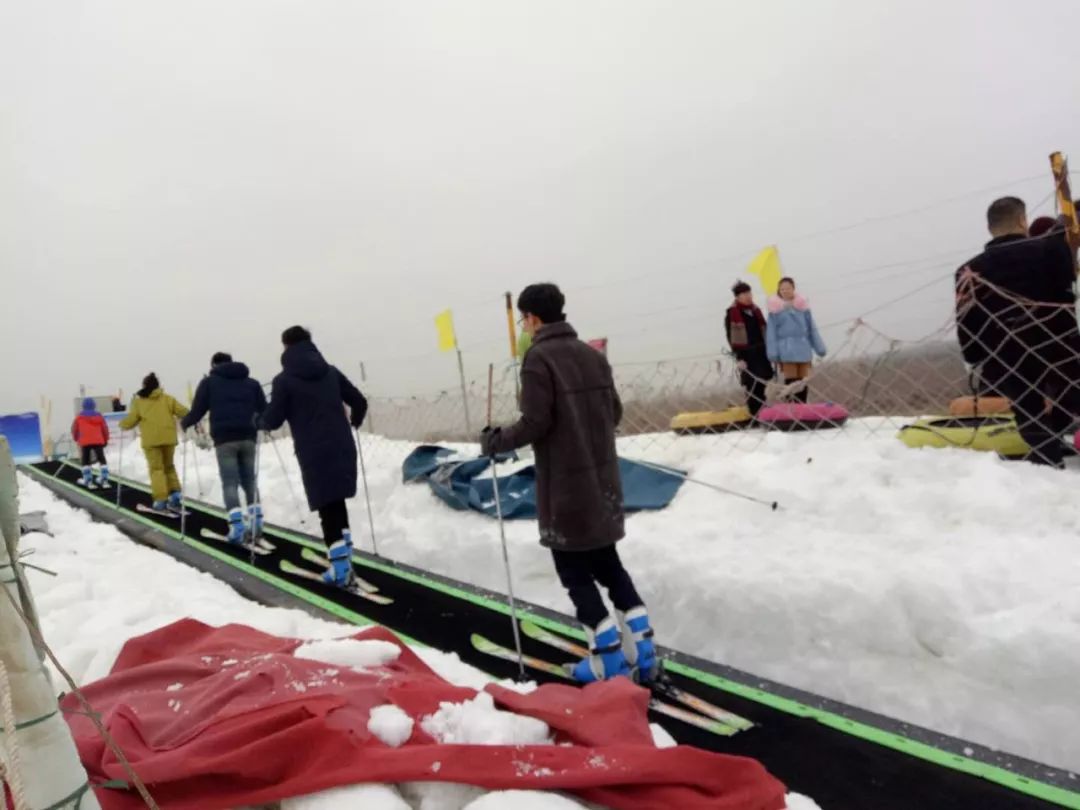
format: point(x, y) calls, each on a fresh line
point(946, 759)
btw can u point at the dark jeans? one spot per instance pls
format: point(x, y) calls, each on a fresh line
point(755, 391)
point(1027, 384)
point(92, 452)
point(335, 520)
point(236, 461)
point(579, 571)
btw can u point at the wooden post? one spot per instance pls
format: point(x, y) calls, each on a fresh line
point(1066, 207)
point(512, 328)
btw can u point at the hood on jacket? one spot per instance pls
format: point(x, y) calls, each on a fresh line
point(777, 304)
point(231, 371)
point(89, 406)
point(303, 360)
point(155, 394)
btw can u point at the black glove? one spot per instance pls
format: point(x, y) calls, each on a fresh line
point(356, 418)
point(489, 437)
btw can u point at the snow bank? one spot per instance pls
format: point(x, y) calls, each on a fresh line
point(478, 722)
point(350, 652)
point(935, 586)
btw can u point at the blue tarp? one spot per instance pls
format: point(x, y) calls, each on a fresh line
point(458, 484)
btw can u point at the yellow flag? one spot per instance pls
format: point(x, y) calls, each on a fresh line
point(766, 266)
point(444, 325)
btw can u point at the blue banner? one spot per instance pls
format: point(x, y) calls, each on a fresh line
point(23, 432)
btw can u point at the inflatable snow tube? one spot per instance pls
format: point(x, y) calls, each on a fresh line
point(987, 434)
point(711, 421)
point(803, 416)
point(979, 406)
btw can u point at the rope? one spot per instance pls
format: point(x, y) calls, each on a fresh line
point(95, 718)
point(12, 767)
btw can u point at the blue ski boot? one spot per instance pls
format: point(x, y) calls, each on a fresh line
point(87, 477)
point(160, 506)
point(637, 644)
point(255, 521)
point(175, 500)
point(103, 476)
point(236, 526)
point(606, 659)
point(340, 572)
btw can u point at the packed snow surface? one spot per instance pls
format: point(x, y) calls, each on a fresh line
point(935, 586)
point(101, 572)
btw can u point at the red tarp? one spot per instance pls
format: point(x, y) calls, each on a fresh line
point(227, 717)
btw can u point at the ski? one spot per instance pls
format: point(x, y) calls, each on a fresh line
point(149, 510)
point(663, 687)
point(258, 547)
point(311, 555)
point(489, 647)
point(289, 568)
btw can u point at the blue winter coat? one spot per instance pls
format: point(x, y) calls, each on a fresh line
point(308, 394)
point(792, 335)
point(234, 400)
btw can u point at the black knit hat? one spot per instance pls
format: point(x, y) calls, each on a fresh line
point(220, 357)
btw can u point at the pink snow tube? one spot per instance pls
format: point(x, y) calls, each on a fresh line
point(800, 416)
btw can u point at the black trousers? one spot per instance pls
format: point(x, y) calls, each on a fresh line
point(92, 452)
point(1027, 384)
point(755, 391)
point(580, 571)
point(335, 520)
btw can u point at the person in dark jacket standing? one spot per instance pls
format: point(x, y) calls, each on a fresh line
point(745, 327)
point(308, 394)
point(1016, 321)
point(570, 410)
point(234, 401)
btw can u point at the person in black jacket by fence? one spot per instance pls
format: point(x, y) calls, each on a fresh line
point(569, 412)
point(234, 401)
point(309, 394)
point(744, 325)
point(1016, 321)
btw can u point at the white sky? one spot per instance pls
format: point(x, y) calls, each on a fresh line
point(178, 178)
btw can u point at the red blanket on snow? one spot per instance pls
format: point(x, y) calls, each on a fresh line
point(252, 724)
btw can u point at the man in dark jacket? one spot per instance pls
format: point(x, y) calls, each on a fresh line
point(234, 401)
point(1016, 320)
point(308, 394)
point(745, 328)
point(569, 413)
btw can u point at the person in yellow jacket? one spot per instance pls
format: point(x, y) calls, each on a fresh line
point(155, 413)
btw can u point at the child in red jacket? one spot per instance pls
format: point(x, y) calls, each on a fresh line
point(91, 433)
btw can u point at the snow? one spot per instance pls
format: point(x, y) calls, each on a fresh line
point(934, 586)
point(350, 652)
point(478, 722)
point(100, 571)
point(390, 724)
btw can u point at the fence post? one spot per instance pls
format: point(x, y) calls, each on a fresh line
point(464, 392)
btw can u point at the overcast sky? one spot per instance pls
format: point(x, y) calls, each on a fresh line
point(182, 177)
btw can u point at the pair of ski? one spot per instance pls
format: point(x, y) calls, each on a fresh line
point(258, 546)
point(699, 713)
point(359, 586)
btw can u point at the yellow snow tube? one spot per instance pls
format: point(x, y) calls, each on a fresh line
point(711, 421)
point(988, 434)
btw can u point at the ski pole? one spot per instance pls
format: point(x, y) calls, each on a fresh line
point(502, 537)
point(774, 505)
point(195, 457)
point(256, 508)
point(183, 477)
point(120, 464)
point(367, 494)
point(288, 480)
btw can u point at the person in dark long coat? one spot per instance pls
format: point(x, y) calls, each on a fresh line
point(310, 395)
point(570, 410)
point(745, 327)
